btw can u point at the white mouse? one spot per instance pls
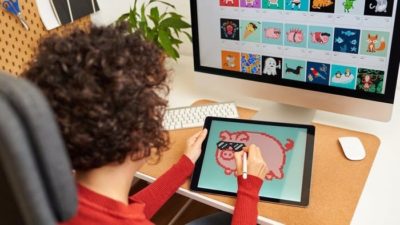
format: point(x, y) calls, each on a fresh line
point(352, 147)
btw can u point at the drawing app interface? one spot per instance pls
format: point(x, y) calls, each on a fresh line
point(283, 149)
point(340, 45)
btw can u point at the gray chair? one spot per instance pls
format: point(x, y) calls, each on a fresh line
point(36, 182)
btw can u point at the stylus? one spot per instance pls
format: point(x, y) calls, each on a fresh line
point(244, 165)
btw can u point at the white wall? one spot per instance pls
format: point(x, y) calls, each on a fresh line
point(110, 11)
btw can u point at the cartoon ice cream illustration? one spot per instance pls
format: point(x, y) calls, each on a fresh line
point(250, 28)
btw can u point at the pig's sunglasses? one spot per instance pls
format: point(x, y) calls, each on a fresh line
point(237, 147)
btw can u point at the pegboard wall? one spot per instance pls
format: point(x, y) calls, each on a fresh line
point(17, 45)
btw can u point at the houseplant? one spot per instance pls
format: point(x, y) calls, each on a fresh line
point(163, 28)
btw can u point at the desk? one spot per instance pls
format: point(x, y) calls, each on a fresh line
point(376, 205)
point(329, 202)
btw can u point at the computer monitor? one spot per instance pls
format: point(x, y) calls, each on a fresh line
point(340, 56)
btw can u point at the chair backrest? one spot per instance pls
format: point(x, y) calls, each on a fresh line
point(37, 186)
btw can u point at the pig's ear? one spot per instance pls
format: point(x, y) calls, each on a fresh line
point(224, 135)
point(242, 136)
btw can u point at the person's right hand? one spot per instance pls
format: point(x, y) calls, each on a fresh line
point(256, 165)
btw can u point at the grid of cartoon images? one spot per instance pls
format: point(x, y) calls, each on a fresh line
point(357, 7)
point(270, 67)
point(274, 63)
point(338, 39)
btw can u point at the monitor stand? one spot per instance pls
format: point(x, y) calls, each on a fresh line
point(278, 112)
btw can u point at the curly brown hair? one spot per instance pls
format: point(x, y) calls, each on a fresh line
point(107, 88)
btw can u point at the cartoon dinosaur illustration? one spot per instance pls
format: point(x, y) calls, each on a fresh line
point(348, 4)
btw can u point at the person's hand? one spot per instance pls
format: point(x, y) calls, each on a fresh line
point(256, 165)
point(193, 145)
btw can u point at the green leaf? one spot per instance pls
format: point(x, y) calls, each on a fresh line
point(188, 36)
point(173, 14)
point(165, 42)
point(155, 13)
point(163, 16)
point(133, 19)
point(166, 3)
point(176, 31)
point(175, 23)
point(176, 42)
point(151, 1)
point(134, 8)
point(142, 12)
point(175, 54)
point(143, 21)
point(154, 16)
point(142, 27)
point(163, 29)
point(123, 17)
point(152, 35)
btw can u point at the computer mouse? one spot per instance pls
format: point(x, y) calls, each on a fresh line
point(352, 147)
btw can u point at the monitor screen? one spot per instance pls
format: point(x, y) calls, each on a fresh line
point(342, 47)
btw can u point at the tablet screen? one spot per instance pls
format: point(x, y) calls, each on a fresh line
point(286, 148)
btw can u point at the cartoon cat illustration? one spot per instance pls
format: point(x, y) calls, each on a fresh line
point(381, 6)
point(372, 40)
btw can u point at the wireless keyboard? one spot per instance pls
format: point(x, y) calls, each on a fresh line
point(194, 116)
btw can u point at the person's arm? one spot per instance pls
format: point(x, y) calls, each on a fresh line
point(245, 211)
point(156, 194)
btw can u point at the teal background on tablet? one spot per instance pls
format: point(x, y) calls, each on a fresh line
point(212, 176)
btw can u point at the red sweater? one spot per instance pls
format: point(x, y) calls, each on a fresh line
point(96, 209)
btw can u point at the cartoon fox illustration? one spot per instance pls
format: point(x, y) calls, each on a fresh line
point(372, 40)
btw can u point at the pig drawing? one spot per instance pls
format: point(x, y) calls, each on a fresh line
point(272, 150)
point(295, 35)
point(273, 33)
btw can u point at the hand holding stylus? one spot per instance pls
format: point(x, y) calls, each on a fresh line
point(256, 165)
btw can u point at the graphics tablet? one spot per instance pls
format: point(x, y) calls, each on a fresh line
point(287, 149)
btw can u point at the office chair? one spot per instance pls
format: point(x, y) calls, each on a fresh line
point(36, 182)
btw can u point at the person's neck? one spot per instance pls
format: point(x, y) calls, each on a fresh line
point(113, 180)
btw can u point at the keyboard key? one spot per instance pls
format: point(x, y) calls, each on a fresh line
point(194, 116)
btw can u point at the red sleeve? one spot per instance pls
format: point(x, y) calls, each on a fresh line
point(245, 211)
point(156, 194)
